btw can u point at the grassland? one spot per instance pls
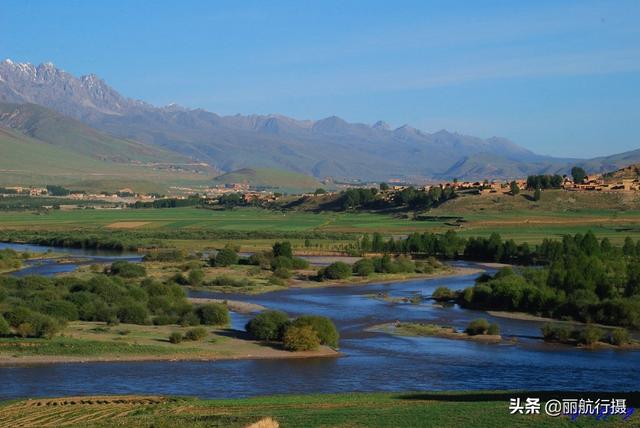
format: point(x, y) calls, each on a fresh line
point(91, 341)
point(27, 161)
point(419, 409)
point(612, 215)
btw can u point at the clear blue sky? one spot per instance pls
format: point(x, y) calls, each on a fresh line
point(559, 77)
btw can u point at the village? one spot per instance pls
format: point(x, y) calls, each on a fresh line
point(248, 194)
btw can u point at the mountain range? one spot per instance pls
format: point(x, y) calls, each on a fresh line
point(329, 147)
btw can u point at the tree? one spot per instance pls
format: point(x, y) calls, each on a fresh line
point(196, 276)
point(537, 194)
point(384, 186)
point(268, 325)
point(477, 326)
point(213, 314)
point(578, 174)
point(196, 334)
point(226, 257)
point(514, 188)
point(323, 326)
point(363, 267)
point(282, 249)
point(302, 338)
point(337, 270)
point(127, 269)
point(319, 191)
point(175, 337)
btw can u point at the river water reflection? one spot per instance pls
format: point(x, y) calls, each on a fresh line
point(372, 361)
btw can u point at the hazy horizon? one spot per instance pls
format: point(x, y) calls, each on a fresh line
point(558, 79)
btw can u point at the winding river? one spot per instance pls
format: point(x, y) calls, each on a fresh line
point(372, 361)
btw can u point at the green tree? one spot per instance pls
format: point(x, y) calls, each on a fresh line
point(268, 325)
point(283, 249)
point(477, 326)
point(513, 186)
point(384, 186)
point(213, 314)
point(578, 174)
point(226, 257)
point(196, 276)
point(302, 338)
point(323, 326)
point(337, 270)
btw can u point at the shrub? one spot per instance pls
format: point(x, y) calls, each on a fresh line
point(281, 262)
point(4, 326)
point(302, 338)
point(337, 270)
point(226, 257)
point(443, 294)
point(323, 326)
point(268, 325)
point(190, 318)
point(196, 276)
point(363, 267)
point(196, 334)
point(558, 332)
point(619, 336)
point(127, 269)
point(477, 326)
point(262, 259)
point(175, 337)
point(282, 273)
point(132, 313)
point(590, 335)
point(213, 314)
point(282, 249)
point(494, 329)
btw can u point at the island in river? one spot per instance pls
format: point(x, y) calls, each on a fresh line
point(93, 341)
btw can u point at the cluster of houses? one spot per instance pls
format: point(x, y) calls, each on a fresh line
point(591, 183)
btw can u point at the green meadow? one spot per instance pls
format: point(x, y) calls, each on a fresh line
point(519, 224)
point(437, 409)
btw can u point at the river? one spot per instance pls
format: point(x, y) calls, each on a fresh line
point(372, 361)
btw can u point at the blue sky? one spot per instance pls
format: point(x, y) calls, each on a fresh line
point(558, 77)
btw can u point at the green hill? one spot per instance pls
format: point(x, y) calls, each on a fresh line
point(29, 161)
point(270, 179)
point(63, 132)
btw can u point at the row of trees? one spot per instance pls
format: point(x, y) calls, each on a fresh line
point(583, 279)
point(409, 197)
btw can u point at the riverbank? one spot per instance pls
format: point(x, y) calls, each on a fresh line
point(390, 278)
point(83, 342)
point(233, 305)
point(425, 409)
point(433, 330)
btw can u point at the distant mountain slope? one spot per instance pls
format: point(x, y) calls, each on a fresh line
point(272, 179)
point(49, 126)
point(70, 153)
point(326, 147)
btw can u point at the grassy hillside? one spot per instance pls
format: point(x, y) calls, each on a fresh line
point(28, 161)
point(283, 181)
point(66, 133)
point(428, 409)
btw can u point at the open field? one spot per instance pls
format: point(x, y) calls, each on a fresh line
point(612, 215)
point(424, 409)
point(92, 341)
